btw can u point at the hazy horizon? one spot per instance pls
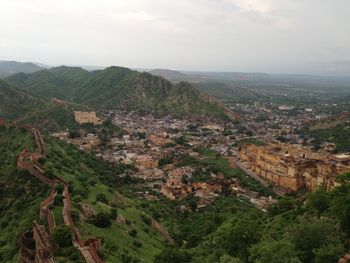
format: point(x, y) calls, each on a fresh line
point(269, 36)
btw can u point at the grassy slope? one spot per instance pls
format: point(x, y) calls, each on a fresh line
point(340, 135)
point(53, 118)
point(130, 90)
point(117, 87)
point(90, 177)
point(334, 129)
point(20, 194)
point(15, 103)
point(23, 107)
point(59, 82)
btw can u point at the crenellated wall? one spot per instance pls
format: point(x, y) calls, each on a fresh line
point(36, 244)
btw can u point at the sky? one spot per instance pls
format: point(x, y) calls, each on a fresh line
point(274, 36)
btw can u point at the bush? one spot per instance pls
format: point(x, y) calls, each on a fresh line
point(172, 255)
point(59, 188)
point(146, 219)
point(319, 200)
point(62, 236)
point(75, 216)
point(58, 200)
point(133, 232)
point(165, 160)
point(113, 214)
point(101, 198)
point(137, 244)
point(101, 220)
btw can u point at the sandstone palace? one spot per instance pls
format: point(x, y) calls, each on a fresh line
point(294, 167)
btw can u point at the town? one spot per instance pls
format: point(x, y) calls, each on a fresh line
point(164, 154)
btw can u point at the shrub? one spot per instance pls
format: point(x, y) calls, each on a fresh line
point(58, 200)
point(113, 213)
point(133, 232)
point(75, 216)
point(101, 220)
point(137, 244)
point(101, 198)
point(172, 255)
point(146, 219)
point(62, 236)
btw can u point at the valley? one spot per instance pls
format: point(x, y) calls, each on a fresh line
point(190, 131)
point(134, 168)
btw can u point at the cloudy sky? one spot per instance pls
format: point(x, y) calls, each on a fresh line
point(278, 36)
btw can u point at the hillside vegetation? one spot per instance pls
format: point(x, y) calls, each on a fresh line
point(120, 88)
point(15, 103)
point(25, 108)
point(12, 67)
point(295, 230)
point(104, 204)
point(92, 186)
point(20, 194)
point(334, 130)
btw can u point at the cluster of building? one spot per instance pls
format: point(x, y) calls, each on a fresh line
point(84, 143)
point(267, 121)
point(293, 167)
point(179, 185)
point(153, 147)
point(83, 117)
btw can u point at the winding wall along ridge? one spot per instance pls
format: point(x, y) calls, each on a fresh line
point(30, 161)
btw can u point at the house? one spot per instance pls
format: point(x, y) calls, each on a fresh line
point(83, 117)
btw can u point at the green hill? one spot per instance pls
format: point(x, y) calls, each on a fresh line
point(335, 129)
point(15, 103)
point(311, 228)
point(120, 88)
point(92, 185)
point(20, 194)
point(25, 108)
point(12, 67)
point(59, 82)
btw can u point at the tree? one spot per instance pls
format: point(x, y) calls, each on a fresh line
point(107, 123)
point(74, 134)
point(101, 198)
point(319, 200)
point(62, 235)
point(172, 255)
point(284, 204)
point(101, 220)
point(341, 206)
point(229, 259)
point(113, 213)
point(344, 218)
point(329, 253)
point(282, 251)
point(237, 236)
point(309, 235)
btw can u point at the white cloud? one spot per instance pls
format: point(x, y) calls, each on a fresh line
point(252, 35)
point(139, 15)
point(261, 6)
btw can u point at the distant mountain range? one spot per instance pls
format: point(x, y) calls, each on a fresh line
point(120, 88)
point(241, 87)
point(244, 77)
point(8, 68)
